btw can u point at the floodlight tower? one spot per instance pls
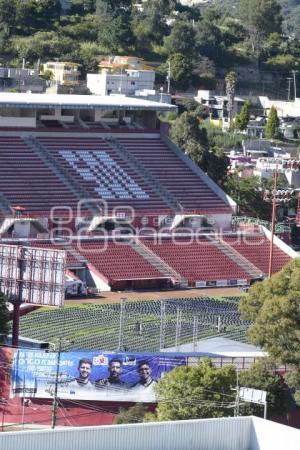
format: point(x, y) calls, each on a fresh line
point(276, 197)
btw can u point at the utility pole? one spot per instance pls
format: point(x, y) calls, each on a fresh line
point(289, 88)
point(169, 76)
point(55, 400)
point(237, 397)
point(295, 87)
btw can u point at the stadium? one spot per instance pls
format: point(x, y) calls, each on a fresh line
point(99, 178)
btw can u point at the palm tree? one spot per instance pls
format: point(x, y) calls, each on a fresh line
point(230, 80)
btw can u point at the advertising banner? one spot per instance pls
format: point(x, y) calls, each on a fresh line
point(121, 377)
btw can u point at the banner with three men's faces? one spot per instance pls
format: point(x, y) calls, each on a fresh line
point(125, 377)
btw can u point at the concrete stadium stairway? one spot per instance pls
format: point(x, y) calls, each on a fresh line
point(236, 257)
point(4, 206)
point(82, 261)
point(157, 262)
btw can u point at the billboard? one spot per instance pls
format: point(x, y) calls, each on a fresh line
point(90, 375)
point(37, 275)
point(253, 395)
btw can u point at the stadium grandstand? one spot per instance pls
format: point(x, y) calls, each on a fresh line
point(99, 178)
point(96, 177)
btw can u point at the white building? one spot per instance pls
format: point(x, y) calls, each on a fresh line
point(126, 82)
point(284, 108)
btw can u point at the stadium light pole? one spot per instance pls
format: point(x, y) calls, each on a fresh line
point(276, 197)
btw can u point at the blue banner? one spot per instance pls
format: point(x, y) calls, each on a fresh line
point(125, 377)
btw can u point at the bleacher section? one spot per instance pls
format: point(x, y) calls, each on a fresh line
point(117, 261)
point(102, 173)
point(190, 191)
point(256, 249)
point(196, 259)
point(26, 180)
point(43, 171)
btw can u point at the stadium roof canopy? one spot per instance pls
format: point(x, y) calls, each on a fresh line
point(220, 346)
point(105, 102)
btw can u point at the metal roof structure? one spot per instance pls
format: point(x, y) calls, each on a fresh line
point(220, 346)
point(99, 102)
point(229, 433)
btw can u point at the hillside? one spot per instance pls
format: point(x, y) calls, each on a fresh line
point(290, 12)
point(35, 31)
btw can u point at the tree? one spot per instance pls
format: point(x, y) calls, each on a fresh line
point(82, 6)
point(273, 307)
point(262, 375)
point(150, 25)
point(4, 315)
point(7, 16)
point(230, 80)
point(242, 119)
point(272, 125)
point(181, 71)
point(34, 15)
point(132, 415)
point(114, 25)
point(208, 36)
point(261, 18)
point(87, 57)
point(293, 380)
point(187, 134)
point(216, 165)
point(43, 45)
point(196, 392)
point(247, 193)
point(175, 43)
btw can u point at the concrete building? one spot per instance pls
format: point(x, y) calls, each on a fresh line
point(217, 105)
point(125, 82)
point(126, 75)
point(22, 80)
point(64, 73)
point(126, 62)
